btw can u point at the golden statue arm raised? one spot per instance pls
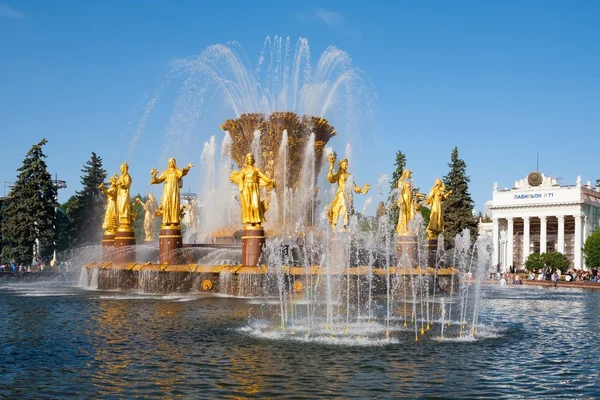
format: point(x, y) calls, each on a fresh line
point(140, 202)
point(156, 179)
point(102, 188)
point(186, 169)
point(332, 177)
point(170, 200)
point(358, 189)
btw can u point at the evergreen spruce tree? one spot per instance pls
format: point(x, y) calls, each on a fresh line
point(30, 210)
point(458, 208)
point(400, 164)
point(86, 211)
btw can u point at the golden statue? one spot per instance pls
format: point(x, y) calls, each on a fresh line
point(341, 205)
point(249, 179)
point(191, 213)
point(169, 206)
point(149, 210)
point(408, 203)
point(111, 221)
point(381, 211)
point(405, 203)
point(437, 194)
point(123, 199)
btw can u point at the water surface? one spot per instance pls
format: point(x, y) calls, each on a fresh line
point(61, 341)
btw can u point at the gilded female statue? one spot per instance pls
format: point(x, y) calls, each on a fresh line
point(190, 217)
point(408, 203)
point(249, 179)
point(123, 199)
point(111, 220)
point(149, 210)
point(405, 203)
point(341, 206)
point(437, 194)
point(192, 209)
point(172, 177)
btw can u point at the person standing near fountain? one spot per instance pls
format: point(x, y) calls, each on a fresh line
point(170, 231)
point(249, 180)
point(149, 210)
point(341, 206)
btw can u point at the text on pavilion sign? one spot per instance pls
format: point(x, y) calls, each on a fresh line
point(534, 196)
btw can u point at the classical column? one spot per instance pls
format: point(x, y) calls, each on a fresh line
point(526, 240)
point(543, 231)
point(496, 240)
point(509, 243)
point(578, 243)
point(561, 233)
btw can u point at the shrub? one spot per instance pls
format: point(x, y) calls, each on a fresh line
point(555, 260)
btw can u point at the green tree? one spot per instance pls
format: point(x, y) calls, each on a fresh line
point(63, 227)
point(557, 260)
point(426, 213)
point(400, 164)
point(535, 261)
point(138, 222)
point(483, 218)
point(86, 209)
point(30, 210)
point(554, 260)
point(591, 250)
point(458, 208)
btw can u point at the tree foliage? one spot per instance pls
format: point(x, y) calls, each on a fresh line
point(138, 222)
point(426, 213)
point(86, 209)
point(29, 213)
point(400, 164)
point(458, 208)
point(535, 261)
point(555, 260)
point(591, 250)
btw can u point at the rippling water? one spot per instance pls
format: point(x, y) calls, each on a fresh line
point(62, 341)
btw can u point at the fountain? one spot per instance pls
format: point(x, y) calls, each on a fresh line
point(331, 274)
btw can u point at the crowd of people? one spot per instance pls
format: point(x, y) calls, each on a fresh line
point(583, 276)
point(546, 274)
point(13, 267)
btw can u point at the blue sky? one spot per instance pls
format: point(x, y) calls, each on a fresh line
point(502, 80)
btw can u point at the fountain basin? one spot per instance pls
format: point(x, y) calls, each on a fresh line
point(259, 281)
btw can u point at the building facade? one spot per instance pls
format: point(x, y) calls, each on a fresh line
point(538, 215)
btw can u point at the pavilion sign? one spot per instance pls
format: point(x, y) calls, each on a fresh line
point(534, 196)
